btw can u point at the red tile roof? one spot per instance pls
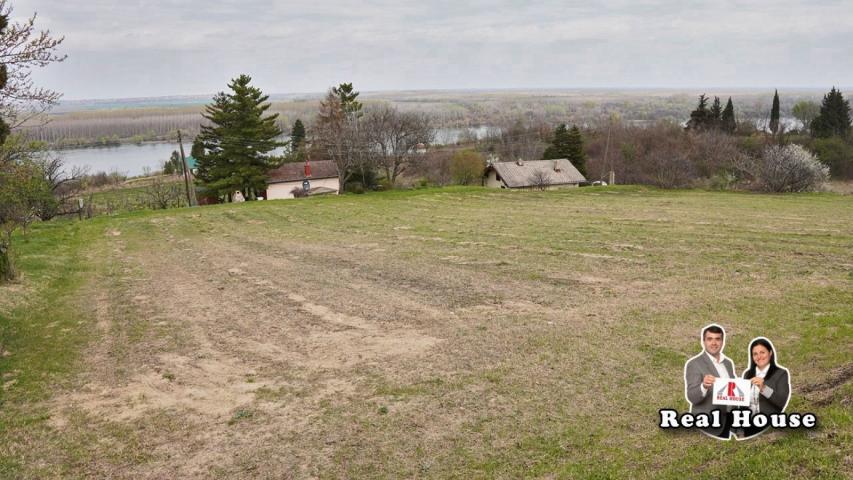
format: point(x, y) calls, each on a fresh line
point(294, 172)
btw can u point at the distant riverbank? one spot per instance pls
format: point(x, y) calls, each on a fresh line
point(133, 159)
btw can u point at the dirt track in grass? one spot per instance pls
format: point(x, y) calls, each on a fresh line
point(427, 335)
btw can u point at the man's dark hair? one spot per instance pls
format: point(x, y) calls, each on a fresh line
point(713, 329)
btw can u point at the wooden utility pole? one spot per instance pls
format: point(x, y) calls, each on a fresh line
point(191, 201)
point(606, 151)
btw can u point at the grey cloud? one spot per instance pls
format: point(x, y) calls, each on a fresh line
point(169, 47)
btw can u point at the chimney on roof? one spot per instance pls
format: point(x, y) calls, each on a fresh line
point(307, 168)
point(557, 166)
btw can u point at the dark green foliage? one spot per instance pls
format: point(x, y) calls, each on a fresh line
point(834, 118)
point(576, 153)
point(366, 178)
point(238, 141)
point(347, 96)
point(727, 120)
point(716, 113)
point(702, 118)
point(559, 147)
point(297, 135)
point(774, 114)
point(197, 150)
point(173, 165)
point(567, 144)
point(837, 154)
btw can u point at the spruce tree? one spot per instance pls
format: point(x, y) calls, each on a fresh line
point(297, 135)
point(197, 150)
point(575, 150)
point(727, 121)
point(701, 118)
point(560, 145)
point(347, 96)
point(834, 118)
point(716, 113)
point(774, 114)
point(238, 141)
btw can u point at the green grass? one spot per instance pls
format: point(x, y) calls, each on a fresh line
point(541, 295)
point(44, 335)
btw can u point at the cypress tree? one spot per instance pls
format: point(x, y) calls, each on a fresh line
point(774, 114)
point(728, 123)
point(297, 135)
point(834, 118)
point(238, 141)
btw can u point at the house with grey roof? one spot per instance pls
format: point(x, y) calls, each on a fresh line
point(536, 174)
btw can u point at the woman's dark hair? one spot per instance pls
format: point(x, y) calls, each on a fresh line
point(766, 344)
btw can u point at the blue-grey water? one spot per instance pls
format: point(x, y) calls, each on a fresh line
point(138, 159)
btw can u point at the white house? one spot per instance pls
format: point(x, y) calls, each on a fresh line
point(559, 173)
point(317, 178)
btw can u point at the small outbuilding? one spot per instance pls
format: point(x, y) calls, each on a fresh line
point(315, 178)
point(536, 174)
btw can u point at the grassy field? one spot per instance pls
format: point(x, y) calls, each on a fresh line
point(463, 333)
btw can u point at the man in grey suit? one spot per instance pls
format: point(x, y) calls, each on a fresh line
point(700, 373)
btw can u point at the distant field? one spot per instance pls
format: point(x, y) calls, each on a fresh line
point(460, 332)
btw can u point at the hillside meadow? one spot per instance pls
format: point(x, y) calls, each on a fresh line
point(437, 333)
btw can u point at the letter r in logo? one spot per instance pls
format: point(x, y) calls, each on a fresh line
point(731, 389)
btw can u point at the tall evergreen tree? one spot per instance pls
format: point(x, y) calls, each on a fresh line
point(834, 118)
point(560, 145)
point(174, 165)
point(297, 135)
point(197, 150)
point(774, 114)
point(347, 96)
point(701, 118)
point(727, 120)
point(716, 113)
point(576, 154)
point(238, 140)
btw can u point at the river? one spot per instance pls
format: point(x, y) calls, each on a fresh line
point(135, 159)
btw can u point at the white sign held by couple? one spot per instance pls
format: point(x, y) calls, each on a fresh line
point(732, 391)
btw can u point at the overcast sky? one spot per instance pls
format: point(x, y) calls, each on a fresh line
point(180, 47)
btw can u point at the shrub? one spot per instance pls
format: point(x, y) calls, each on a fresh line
point(837, 154)
point(788, 168)
point(354, 187)
point(298, 192)
point(466, 167)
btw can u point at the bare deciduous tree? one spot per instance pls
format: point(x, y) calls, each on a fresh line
point(337, 136)
point(541, 179)
point(394, 137)
point(21, 49)
point(63, 183)
point(162, 194)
